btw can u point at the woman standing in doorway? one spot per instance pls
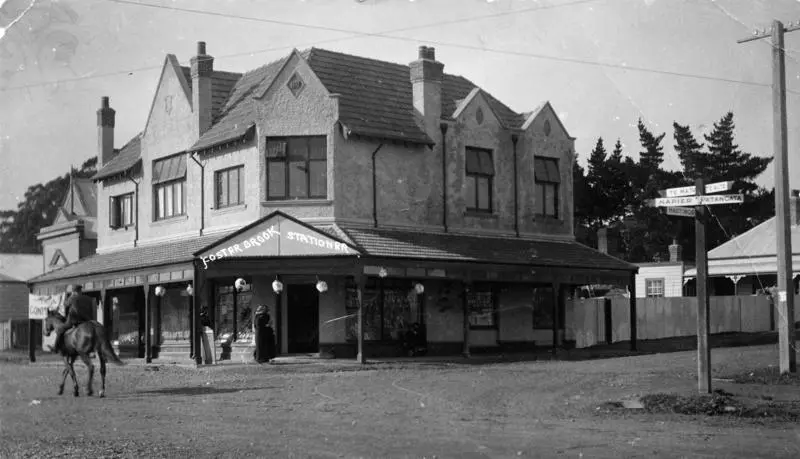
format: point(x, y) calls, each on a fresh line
point(265, 336)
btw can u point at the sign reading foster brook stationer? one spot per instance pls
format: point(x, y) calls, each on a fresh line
point(277, 236)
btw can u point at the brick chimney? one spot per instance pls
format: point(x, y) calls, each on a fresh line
point(426, 80)
point(202, 68)
point(794, 206)
point(105, 132)
point(675, 252)
point(608, 241)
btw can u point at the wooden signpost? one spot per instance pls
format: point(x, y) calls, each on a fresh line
point(690, 201)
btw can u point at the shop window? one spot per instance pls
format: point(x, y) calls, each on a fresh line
point(543, 308)
point(391, 307)
point(120, 211)
point(175, 319)
point(229, 187)
point(548, 181)
point(482, 307)
point(234, 312)
point(479, 179)
point(297, 168)
point(654, 288)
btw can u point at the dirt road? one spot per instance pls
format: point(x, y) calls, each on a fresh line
point(523, 409)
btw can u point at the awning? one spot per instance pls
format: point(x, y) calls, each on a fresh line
point(744, 266)
point(167, 169)
point(546, 170)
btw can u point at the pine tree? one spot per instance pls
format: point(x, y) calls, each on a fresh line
point(730, 163)
point(653, 154)
point(696, 163)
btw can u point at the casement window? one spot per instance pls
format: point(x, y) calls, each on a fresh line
point(478, 189)
point(120, 211)
point(654, 288)
point(297, 168)
point(548, 182)
point(229, 187)
point(482, 307)
point(391, 307)
point(169, 187)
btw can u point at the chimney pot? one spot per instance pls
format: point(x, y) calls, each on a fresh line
point(432, 53)
point(423, 51)
point(201, 48)
point(104, 102)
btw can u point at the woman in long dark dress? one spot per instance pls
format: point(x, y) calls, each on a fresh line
point(265, 336)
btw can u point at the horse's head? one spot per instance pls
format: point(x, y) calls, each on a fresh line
point(53, 318)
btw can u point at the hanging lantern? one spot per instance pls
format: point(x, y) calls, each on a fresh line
point(240, 284)
point(189, 290)
point(383, 272)
point(322, 286)
point(160, 291)
point(419, 288)
point(277, 286)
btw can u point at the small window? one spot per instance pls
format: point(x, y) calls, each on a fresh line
point(548, 182)
point(482, 307)
point(478, 188)
point(229, 187)
point(654, 288)
point(120, 211)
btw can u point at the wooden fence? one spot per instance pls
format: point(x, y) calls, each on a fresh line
point(14, 334)
point(587, 319)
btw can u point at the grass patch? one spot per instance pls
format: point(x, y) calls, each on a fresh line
point(721, 403)
point(768, 376)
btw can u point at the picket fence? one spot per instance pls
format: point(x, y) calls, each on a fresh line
point(587, 319)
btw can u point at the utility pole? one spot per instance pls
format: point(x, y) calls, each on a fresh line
point(785, 300)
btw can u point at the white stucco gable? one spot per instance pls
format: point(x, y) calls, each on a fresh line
point(544, 120)
point(171, 75)
point(476, 99)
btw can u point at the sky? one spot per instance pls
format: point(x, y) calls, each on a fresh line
point(602, 64)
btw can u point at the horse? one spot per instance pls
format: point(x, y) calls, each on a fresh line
point(81, 341)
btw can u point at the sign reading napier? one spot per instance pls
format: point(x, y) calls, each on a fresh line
point(277, 236)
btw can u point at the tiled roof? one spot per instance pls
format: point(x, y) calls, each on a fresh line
point(238, 113)
point(376, 98)
point(135, 258)
point(451, 247)
point(87, 193)
point(221, 84)
point(127, 157)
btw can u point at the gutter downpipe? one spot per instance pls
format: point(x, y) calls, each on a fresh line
point(202, 191)
point(443, 128)
point(514, 139)
point(375, 189)
point(136, 222)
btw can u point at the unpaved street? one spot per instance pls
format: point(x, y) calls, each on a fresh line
point(415, 409)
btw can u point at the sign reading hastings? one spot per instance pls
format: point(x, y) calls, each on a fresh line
point(276, 237)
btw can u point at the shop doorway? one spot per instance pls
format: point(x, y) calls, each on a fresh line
point(302, 318)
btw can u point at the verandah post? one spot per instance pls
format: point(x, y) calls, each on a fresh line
point(466, 286)
point(360, 282)
point(633, 313)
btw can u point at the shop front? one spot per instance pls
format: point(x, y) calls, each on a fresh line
point(355, 292)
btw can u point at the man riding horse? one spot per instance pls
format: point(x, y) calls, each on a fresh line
point(77, 310)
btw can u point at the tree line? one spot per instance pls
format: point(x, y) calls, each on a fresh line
point(613, 191)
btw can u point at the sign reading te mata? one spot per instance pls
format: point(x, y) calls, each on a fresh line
point(275, 236)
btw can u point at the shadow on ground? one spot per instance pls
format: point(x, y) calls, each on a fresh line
point(199, 390)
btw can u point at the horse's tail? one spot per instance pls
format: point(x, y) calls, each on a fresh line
point(104, 345)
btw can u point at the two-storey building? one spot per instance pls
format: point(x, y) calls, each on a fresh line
point(335, 189)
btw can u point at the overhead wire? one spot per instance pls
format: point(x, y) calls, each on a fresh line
point(386, 35)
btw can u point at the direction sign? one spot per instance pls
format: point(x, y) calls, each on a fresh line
point(680, 211)
point(691, 190)
point(699, 200)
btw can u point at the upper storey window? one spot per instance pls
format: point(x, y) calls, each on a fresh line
point(169, 187)
point(480, 179)
point(548, 181)
point(297, 168)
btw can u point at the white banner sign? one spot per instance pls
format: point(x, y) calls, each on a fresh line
point(38, 305)
point(691, 190)
point(699, 200)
